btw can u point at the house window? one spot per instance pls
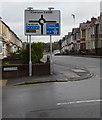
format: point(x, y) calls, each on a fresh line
point(83, 33)
point(4, 51)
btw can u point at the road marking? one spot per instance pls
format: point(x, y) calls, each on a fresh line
point(78, 70)
point(71, 75)
point(3, 82)
point(18, 85)
point(78, 102)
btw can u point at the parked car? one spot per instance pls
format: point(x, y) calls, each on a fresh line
point(57, 52)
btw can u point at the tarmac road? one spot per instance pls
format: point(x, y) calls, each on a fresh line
point(72, 99)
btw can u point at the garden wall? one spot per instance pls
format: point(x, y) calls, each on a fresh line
point(13, 71)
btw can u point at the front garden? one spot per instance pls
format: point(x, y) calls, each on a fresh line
point(17, 64)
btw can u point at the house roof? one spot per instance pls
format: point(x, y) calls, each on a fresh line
point(84, 26)
point(88, 23)
point(11, 30)
point(76, 30)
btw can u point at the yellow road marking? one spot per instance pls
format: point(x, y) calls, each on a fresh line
point(16, 85)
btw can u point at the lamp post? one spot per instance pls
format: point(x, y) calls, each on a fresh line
point(74, 19)
point(74, 30)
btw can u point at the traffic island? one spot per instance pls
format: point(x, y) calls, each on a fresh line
point(71, 73)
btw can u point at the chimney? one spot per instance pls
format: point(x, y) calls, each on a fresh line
point(93, 19)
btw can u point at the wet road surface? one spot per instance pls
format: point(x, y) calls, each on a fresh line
point(77, 99)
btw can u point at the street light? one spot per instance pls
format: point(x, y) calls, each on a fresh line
point(74, 19)
point(74, 30)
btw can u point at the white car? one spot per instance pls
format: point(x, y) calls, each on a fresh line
point(57, 52)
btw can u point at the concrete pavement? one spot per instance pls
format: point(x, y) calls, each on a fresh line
point(60, 74)
point(69, 74)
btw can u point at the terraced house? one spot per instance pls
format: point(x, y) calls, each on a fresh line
point(9, 41)
point(87, 39)
point(100, 35)
point(0, 39)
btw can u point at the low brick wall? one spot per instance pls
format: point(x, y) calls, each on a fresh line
point(13, 71)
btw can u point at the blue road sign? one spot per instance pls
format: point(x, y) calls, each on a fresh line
point(52, 29)
point(32, 27)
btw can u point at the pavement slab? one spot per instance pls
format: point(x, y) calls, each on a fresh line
point(71, 75)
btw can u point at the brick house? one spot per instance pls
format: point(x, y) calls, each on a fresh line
point(9, 40)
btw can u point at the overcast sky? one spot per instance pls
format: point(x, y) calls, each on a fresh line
point(12, 14)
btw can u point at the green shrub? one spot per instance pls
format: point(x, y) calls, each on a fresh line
point(24, 56)
point(36, 53)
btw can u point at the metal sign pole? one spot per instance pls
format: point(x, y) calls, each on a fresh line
point(51, 61)
point(27, 38)
point(30, 61)
point(42, 22)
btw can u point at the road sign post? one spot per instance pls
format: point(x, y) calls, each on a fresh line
point(42, 22)
point(51, 61)
point(30, 60)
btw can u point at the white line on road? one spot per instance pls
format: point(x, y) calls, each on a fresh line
point(78, 102)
